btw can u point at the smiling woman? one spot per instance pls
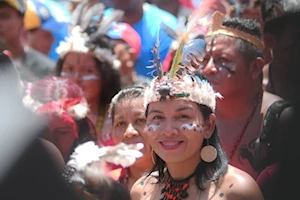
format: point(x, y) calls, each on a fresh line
point(189, 160)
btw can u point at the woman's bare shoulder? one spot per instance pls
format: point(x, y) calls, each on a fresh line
point(238, 184)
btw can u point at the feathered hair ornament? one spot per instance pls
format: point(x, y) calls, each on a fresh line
point(87, 33)
point(181, 80)
point(86, 154)
point(58, 98)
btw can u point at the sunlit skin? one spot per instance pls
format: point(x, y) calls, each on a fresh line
point(82, 68)
point(44, 37)
point(221, 64)
point(129, 127)
point(127, 58)
point(172, 139)
point(11, 28)
point(176, 131)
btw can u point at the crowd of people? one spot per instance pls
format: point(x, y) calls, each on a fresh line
point(134, 99)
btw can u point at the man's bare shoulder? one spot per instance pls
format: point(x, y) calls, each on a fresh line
point(238, 184)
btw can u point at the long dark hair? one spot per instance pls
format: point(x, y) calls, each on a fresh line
point(205, 172)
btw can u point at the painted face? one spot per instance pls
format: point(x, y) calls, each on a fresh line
point(62, 133)
point(82, 68)
point(129, 124)
point(11, 24)
point(175, 130)
point(45, 37)
point(223, 65)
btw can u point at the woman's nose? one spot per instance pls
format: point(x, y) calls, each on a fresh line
point(130, 131)
point(169, 129)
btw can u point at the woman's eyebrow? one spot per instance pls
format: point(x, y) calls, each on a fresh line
point(155, 111)
point(184, 108)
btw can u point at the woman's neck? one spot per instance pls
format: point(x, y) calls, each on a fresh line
point(94, 110)
point(179, 171)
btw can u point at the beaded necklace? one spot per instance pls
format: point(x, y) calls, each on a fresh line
point(175, 189)
point(249, 119)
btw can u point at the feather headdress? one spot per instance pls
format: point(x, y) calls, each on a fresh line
point(86, 154)
point(87, 33)
point(56, 96)
point(181, 81)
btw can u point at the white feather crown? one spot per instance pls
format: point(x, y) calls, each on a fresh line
point(187, 87)
point(77, 42)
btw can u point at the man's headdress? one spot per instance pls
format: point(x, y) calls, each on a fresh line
point(217, 28)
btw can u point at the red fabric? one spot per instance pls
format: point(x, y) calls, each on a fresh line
point(8, 53)
point(191, 4)
point(126, 33)
point(109, 142)
point(167, 62)
point(70, 102)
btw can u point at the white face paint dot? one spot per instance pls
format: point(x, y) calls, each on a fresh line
point(229, 76)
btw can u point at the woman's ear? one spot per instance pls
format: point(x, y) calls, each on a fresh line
point(209, 126)
point(256, 67)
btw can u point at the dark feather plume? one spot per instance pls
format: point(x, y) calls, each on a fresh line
point(91, 17)
point(77, 14)
point(157, 61)
point(172, 33)
point(105, 23)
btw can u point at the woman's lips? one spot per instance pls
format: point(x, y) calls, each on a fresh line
point(170, 144)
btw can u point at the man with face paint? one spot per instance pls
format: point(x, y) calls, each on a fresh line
point(233, 63)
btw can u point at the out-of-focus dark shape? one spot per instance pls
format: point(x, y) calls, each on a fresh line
point(27, 171)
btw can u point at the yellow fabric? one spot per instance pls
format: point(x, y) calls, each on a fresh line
point(31, 19)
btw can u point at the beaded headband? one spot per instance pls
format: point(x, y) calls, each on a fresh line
point(217, 28)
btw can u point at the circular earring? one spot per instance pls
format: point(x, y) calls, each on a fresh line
point(208, 153)
point(153, 156)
